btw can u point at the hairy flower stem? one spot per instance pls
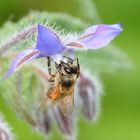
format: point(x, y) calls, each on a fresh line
point(24, 34)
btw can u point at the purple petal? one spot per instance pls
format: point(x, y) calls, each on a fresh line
point(21, 59)
point(99, 36)
point(65, 124)
point(48, 42)
point(45, 122)
point(87, 93)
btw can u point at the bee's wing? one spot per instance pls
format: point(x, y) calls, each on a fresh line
point(50, 98)
point(96, 36)
point(67, 104)
point(45, 104)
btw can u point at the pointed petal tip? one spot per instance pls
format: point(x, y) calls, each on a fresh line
point(121, 27)
point(6, 76)
point(118, 27)
point(40, 26)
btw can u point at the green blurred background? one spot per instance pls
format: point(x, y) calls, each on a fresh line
point(120, 115)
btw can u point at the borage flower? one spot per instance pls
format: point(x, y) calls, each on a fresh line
point(5, 130)
point(50, 44)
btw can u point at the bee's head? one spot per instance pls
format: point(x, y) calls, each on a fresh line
point(68, 67)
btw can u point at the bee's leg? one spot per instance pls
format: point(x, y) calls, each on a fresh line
point(78, 65)
point(49, 67)
point(50, 70)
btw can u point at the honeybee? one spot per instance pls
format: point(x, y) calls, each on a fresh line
point(62, 84)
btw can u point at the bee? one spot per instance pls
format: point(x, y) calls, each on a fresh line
point(62, 84)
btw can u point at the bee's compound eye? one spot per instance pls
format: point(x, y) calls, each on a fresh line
point(67, 70)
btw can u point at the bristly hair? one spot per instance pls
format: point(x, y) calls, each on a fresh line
point(58, 30)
